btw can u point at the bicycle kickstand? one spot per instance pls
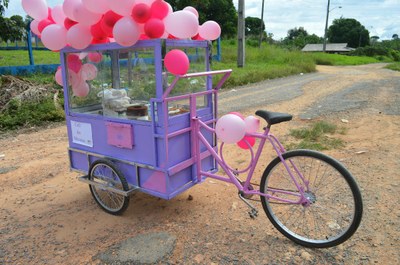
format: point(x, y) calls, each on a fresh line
point(253, 213)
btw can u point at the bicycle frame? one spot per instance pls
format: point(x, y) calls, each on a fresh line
point(245, 188)
point(197, 137)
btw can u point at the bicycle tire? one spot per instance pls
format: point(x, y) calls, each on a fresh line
point(106, 172)
point(342, 211)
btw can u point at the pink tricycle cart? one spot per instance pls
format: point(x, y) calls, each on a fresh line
point(133, 126)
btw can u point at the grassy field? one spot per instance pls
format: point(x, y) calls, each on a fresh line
point(394, 66)
point(263, 63)
point(20, 57)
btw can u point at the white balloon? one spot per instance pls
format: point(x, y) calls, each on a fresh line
point(230, 128)
point(57, 13)
point(122, 7)
point(54, 37)
point(126, 31)
point(252, 124)
point(96, 6)
point(36, 8)
point(182, 24)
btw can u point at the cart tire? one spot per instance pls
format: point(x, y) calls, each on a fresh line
point(105, 172)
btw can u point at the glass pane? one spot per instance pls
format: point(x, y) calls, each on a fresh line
point(114, 83)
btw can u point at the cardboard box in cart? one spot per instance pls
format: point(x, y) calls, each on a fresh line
point(124, 117)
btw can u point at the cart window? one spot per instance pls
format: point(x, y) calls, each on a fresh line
point(198, 63)
point(114, 83)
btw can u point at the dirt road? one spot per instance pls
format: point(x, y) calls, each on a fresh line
point(48, 217)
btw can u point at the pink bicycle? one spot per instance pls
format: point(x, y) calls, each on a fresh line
point(309, 197)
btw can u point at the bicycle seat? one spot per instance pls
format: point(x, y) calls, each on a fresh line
point(273, 117)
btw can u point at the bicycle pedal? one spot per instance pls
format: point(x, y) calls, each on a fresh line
point(253, 214)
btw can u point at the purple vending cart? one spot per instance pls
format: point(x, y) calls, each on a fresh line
point(129, 120)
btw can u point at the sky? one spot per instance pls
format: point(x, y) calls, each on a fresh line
point(380, 17)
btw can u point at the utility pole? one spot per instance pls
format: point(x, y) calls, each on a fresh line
point(241, 36)
point(326, 26)
point(261, 25)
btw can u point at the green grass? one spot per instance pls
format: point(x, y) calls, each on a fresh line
point(266, 63)
point(316, 137)
point(21, 57)
point(394, 66)
point(263, 63)
point(338, 59)
point(29, 114)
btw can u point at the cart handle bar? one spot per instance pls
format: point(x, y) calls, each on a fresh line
point(226, 73)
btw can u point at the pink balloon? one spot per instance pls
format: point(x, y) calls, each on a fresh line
point(88, 71)
point(210, 30)
point(159, 9)
point(182, 24)
point(252, 124)
point(95, 57)
point(126, 32)
point(230, 129)
point(74, 63)
point(147, 2)
point(176, 62)
point(107, 23)
point(84, 16)
point(35, 27)
point(192, 9)
point(43, 24)
point(96, 6)
point(242, 143)
point(73, 79)
point(58, 15)
point(54, 37)
point(81, 88)
point(58, 76)
point(68, 23)
point(154, 28)
point(141, 13)
point(121, 7)
point(79, 36)
point(36, 8)
point(68, 7)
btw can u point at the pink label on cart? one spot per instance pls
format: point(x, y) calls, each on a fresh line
point(120, 135)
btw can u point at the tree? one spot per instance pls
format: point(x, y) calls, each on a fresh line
point(395, 37)
point(253, 26)
point(221, 11)
point(299, 37)
point(350, 31)
point(3, 6)
point(296, 32)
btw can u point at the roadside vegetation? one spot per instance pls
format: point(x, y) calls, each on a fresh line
point(318, 136)
point(268, 62)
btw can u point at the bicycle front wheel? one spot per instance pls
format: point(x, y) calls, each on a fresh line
point(333, 207)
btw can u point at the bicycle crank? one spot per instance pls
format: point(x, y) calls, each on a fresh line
point(253, 213)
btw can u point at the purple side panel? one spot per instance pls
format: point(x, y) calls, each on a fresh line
point(153, 180)
point(79, 161)
point(141, 152)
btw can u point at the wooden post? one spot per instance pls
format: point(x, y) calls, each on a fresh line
point(261, 25)
point(241, 35)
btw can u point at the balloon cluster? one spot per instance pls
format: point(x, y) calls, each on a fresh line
point(79, 23)
point(79, 73)
point(232, 128)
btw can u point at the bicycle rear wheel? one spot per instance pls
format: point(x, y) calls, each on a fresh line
point(334, 208)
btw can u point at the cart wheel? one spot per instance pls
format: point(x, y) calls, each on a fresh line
point(105, 172)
